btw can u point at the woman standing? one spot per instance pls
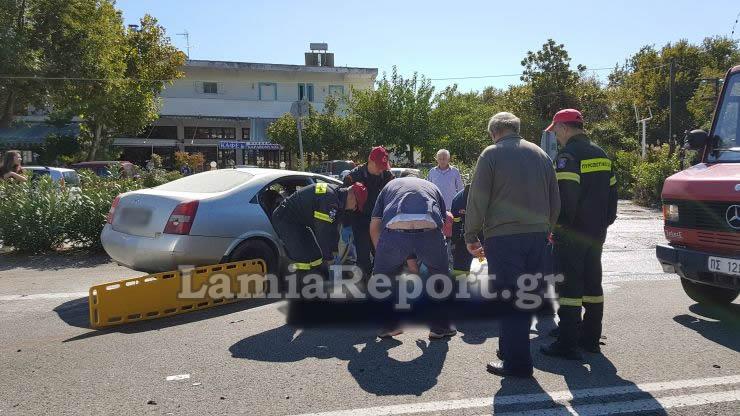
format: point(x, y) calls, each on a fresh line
point(11, 168)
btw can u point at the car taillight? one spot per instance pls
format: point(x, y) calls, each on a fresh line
point(112, 210)
point(181, 219)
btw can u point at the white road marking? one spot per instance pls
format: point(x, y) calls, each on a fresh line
point(38, 296)
point(641, 405)
point(178, 377)
point(562, 397)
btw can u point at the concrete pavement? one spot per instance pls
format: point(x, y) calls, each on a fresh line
point(663, 353)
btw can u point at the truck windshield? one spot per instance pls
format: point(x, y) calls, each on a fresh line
point(727, 129)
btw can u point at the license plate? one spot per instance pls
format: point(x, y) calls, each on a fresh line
point(724, 265)
point(135, 216)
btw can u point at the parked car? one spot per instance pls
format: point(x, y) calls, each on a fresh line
point(62, 176)
point(207, 218)
point(400, 172)
point(334, 168)
point(105, 168)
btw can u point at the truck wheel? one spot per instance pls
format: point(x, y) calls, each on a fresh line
point(706, 294)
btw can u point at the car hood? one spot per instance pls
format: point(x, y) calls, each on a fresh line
point(705, 182)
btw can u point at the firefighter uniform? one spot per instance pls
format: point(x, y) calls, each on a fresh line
point(588, 195)
point(307, 223)
point(461, 257)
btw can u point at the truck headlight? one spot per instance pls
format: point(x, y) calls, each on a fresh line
point(670, 212)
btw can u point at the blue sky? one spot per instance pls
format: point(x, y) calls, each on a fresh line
point(439, 39)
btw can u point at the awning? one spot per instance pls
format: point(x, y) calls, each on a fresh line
point(139, 142)
point(35, 134)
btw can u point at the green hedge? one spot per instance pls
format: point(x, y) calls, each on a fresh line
point(39, 215)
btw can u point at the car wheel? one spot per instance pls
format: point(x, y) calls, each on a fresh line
point(256, 249)
point(706, 294)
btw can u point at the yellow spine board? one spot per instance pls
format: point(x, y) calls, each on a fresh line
point(157, 295)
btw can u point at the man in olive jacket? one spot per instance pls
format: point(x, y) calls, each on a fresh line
point(514, 201)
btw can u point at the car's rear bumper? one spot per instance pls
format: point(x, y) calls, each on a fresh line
point(163, 253)
point(693, 265)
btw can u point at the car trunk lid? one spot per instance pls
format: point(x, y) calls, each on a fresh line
point(145, 213)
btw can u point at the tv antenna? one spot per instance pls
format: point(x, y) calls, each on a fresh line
point(644, 128)
point(186, 34)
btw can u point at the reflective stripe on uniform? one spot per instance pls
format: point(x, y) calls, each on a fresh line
point(308, 266)
point(321, 188)
point(322, 216)
point(568, 176)
point(570, 301)
point(613, 181)
point(593, 299)
point(460, 273)
point(457, 219)
point(598, 164)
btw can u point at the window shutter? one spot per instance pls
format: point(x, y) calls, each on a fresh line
point(220, 88)
point(198, 86)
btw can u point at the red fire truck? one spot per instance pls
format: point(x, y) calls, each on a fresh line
point(701, 207)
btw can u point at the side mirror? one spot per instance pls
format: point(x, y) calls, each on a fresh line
point(696, 139)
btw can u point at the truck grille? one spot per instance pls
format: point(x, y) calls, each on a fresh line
point(703, 215)
point(723, 240)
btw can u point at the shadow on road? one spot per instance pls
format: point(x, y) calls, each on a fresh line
point(76, 313)
point(72, 259)
point(721, 327)
point(596, 370)
point(368, 359)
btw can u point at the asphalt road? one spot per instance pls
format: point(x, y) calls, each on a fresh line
point(663, 353)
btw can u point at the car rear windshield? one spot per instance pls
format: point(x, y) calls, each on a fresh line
point(208, 182)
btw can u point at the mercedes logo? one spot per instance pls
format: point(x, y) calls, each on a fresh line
point(733, 216)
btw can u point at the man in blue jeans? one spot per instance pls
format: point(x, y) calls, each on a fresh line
point(514, 201)
point(407, 221)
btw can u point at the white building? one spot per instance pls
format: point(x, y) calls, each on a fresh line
point(222, 109)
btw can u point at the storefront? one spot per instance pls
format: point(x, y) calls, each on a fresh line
point(139, 151)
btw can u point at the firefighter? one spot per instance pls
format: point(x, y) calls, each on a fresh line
point(308, 223)
point(461, 257)
point(588, 195)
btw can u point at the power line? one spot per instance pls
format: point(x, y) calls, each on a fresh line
point(504, 75)
point(45, 78)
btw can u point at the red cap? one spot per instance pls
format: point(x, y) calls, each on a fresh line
point(360, 192)
point(562, 116)
point(380, 156)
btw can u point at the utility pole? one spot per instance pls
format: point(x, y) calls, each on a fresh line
point(670, 101)
point(644, 128)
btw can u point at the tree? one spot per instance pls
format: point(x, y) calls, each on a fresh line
point(21, 54)
point(551, 79)
point(396, 114)
point(328, 134)
point(458, 123)
point(124, 69)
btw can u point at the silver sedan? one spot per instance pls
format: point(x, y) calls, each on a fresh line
point(207, 218)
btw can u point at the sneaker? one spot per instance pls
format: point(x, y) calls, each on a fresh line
point(389, 333)
point(442, 333)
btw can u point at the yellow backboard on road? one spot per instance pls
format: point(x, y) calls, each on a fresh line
point(170, 293)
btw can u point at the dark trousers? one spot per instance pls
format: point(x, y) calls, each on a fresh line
point(300, 243)
point(579, 260)
point(509, 257)
point(429, 247)
point(461, 257)
point(363, 244)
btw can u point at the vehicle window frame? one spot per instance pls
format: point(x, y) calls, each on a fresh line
point(726, 100)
